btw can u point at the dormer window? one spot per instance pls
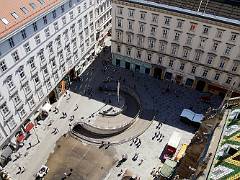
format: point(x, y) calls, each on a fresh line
point(24, 10)
point(14, 15)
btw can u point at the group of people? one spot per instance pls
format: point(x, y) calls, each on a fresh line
point(158, 135)
point(136, 141)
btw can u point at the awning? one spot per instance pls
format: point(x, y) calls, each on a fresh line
point(29, 126)
point(46, 107)
point(6, 152)
point(20, 138)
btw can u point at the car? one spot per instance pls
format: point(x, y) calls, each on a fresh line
point(43, 171)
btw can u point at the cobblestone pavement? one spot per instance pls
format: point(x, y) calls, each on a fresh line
point(152, 92)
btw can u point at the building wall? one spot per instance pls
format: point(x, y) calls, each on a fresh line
point(213, 51)
point(66, 41)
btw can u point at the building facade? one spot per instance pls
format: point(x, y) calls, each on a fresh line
point(44, 45)
point(189, 46)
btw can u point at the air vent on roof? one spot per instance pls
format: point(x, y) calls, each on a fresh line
point(24, 9)
point(41, 1)
point(14, 15)
point(33, 5)
point(5, 21)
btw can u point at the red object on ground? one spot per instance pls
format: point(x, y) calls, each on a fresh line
point(29, 126)
point(20, 138)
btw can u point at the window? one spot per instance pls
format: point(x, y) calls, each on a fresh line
point(129, 38)
point(210, 59)
point(205, 30)
point(42, 2)
point(229, 79)
point(131, 13)
point(32, 64)
point(217, 76)
point(35, 28)
point(228, 50)
point(193, 27)
point(54, 14)
point(23, 32)
point(139, 54)
point(80, 24)
point(180, 23)
point(182, 66)
point(193, 69)
point(56, 77)
point(130, 25)
point(37, 39)
point(170, 63)
point(202, 42)
point(55, 26)
point(205, 72)
point(143, 15)
point(140, 40)
point(149, 57)
point(233, 37)
point(10, 83)
point(189, 39)
point(47, 32)
point(154, 18)
point(36, 80)
point(31, 102)
point(160, 59)
point(198, 55)
point(41, 55)
point(21, 112)
point(48, 83)
point(5, 21)
point(119, 22)
point(11, 124)
point(33, 5)
point(119, 35)
point(45, 19)
point(4, 109)
point(85, 20)
point(11, 42)
point(234, 68)
point(16, 99)
point(3, 66)
point(163, 46)
point(215, 45)
point(186, 53)
point(153, 30)
point(141, 27)
point(40, 93)
point(221, 65)
point(118, 48)
point(129, 51)
point(120, 10)
point(79, 9)
point(86, 32)
point(174, 50)
point(27, 88)
point(62, 8)
point(15, 56)
point(70, 3)
point(91, 15)
point(219, 33)
point(53, 63)
point(151, 43)
point(177, 36)
point(71, 15)
point(64, 20)
point(27, 47)
point(21, 73)
point(165, 33)
point(24, 10)
point(14, 15)
point(167, 21)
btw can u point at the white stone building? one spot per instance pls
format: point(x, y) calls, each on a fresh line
point(44, 45)
point(194, 43)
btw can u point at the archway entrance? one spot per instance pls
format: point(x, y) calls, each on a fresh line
point(157, 73)
point(200, 85)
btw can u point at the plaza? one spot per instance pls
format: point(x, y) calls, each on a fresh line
point(161, 106)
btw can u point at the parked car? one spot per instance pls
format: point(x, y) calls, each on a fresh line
point(42, 172)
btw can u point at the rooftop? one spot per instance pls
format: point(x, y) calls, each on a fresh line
point(16, 13)
point(223, 10)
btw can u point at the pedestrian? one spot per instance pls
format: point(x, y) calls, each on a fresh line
point(23, 170)
point(19, 170)
point(30, 145)
point(141, 161)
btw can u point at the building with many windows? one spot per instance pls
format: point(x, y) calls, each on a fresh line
point(194, 43)
point(44, 45)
